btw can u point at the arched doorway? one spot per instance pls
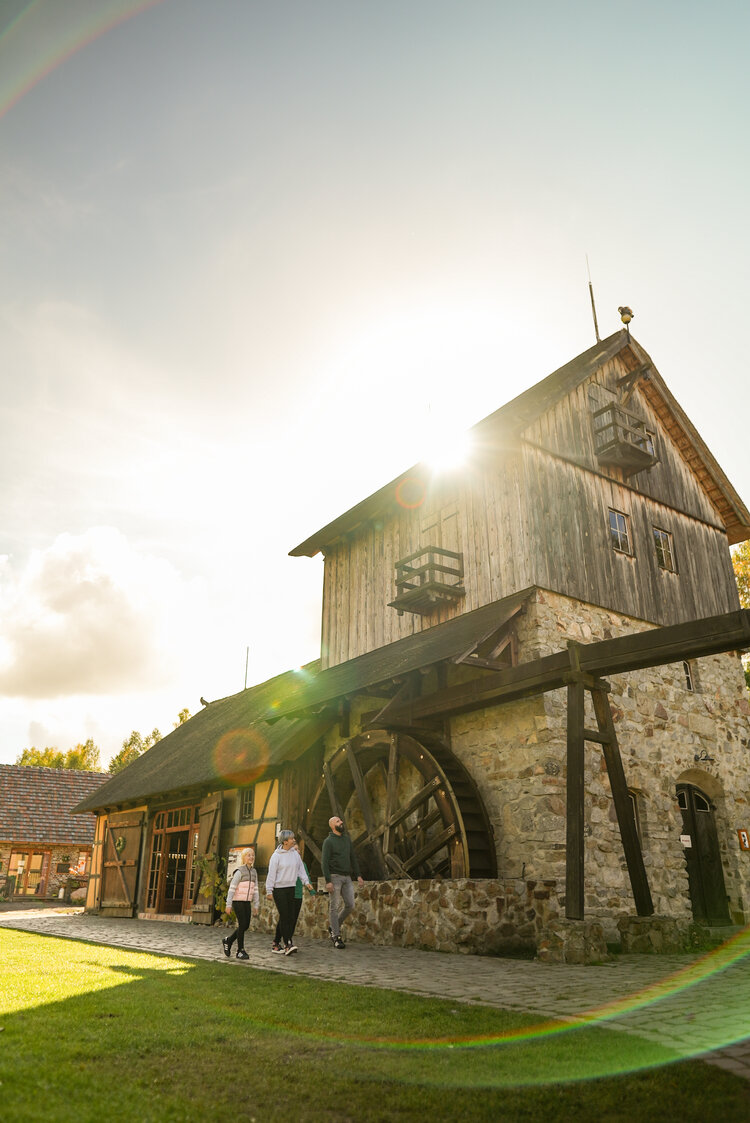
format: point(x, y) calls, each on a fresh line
point(411, 809)
point(708, 895)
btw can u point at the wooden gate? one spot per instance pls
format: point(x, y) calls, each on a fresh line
point(122, 855)
point(208, 850)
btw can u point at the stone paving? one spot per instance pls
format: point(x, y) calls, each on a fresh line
point(699, 1007)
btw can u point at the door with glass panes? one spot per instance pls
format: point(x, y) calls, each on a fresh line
point(172, 861)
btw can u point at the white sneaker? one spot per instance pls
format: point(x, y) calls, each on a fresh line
point(289, 949)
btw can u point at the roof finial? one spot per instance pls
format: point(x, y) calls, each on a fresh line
point(626, 315)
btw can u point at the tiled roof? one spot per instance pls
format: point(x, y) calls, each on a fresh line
point(36, 803)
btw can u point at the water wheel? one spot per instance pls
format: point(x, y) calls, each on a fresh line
point(411, 810)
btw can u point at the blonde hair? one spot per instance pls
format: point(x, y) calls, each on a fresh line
point(247, 853)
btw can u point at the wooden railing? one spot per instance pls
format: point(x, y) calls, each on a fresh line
point(428, 578)
point(622, 439)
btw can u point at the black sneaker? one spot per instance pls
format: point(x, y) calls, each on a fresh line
point(242, 954)
point(277, 949)
point(227, 946)
point(339, 943)
point(289, 949)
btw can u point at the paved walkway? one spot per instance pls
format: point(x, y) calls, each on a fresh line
point(697, 1007)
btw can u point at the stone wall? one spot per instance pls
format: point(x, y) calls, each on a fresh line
point(517, 753)
point(481, 917)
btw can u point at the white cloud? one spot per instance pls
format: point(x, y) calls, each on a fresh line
point(91, 615)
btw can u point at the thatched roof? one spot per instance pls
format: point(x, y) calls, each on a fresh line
point(237, 740)
point(227, 744)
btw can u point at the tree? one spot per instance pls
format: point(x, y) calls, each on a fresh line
point(741, 563)
point(82, 758)
point(135, 746)
point(182, 717)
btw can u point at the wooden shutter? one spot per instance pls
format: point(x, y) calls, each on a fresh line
point(122, 853)
point(208, 847)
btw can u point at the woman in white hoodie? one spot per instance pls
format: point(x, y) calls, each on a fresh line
point(285, 867)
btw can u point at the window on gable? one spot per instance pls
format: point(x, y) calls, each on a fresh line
point(664, 550)
point(619, 532)
point(247, 804)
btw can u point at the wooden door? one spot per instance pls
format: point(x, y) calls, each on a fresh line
point(207, 851)
point(122, 854)
point(708, 895)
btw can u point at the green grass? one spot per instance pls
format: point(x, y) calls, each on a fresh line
point(91, 1032)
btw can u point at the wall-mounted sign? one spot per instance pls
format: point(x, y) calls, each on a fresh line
point(686, 840)
point(234, 860)
point(744, 837)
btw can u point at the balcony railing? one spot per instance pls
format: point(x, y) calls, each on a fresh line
point(622, 440)
point(428, 579)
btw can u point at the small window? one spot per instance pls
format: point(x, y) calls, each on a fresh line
point(664, 550)
point(701, 803)
point(682, 800)
point(619, 532)
point(247, 804)
point(633, 797)
point(689, 676)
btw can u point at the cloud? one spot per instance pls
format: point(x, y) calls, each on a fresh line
point(91, 615)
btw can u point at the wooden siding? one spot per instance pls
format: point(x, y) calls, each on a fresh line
point(539, 516)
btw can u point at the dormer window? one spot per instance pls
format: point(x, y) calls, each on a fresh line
point(428, 579)
point(622, 440)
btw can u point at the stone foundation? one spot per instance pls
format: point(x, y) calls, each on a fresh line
point(668, 734)
point(648, 934)
point(572, 941)
point(487, 917)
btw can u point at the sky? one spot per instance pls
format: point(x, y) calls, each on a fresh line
point(257, 256)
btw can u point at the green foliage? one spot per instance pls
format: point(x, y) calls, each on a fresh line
point(741, 563)
point(135, 746)
point(82, 758)
point(214, 883)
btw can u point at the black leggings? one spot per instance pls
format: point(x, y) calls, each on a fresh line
point(243, 912)
point(297, 907)
point(284, 899)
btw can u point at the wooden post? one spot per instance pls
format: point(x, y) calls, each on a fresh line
point(623, 807)
point(574, 800)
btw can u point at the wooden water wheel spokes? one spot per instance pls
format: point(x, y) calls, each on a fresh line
point(412, 811)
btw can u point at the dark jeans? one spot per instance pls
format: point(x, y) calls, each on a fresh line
point(284, 899)
point(297, 907)
point(243, 912)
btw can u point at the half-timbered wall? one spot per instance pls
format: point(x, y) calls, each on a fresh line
point(539, 515)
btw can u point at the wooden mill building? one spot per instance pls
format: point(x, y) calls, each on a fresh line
point(529, 691)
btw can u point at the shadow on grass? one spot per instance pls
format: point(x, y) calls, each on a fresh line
point(91, 1031)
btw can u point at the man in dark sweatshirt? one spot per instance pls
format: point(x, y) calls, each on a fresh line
point(339, 866)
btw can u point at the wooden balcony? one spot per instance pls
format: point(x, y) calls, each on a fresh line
point(622, 440)
point(428, 579)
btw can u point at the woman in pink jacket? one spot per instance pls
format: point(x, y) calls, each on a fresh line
point(243, 896)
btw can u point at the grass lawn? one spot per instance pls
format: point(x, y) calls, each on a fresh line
point(97, 1033)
